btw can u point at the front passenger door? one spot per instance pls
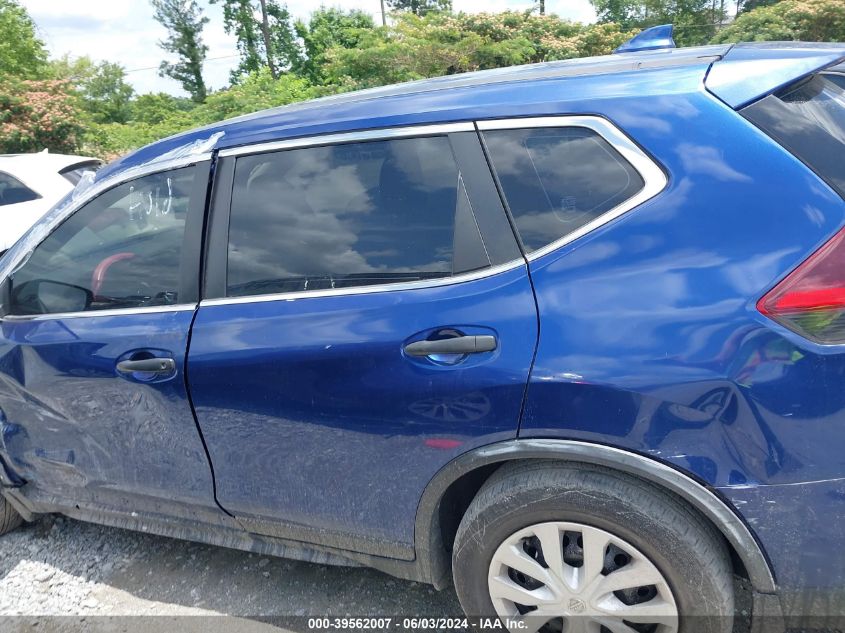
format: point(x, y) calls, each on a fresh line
point(94, 411)
point(369, 318)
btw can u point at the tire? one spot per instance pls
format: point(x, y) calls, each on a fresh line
point(9, 517)
point(663, 543)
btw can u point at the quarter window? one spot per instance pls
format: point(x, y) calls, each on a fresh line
point(122, 249)
point(556, 180)
point(13, 191)
point(356, 214)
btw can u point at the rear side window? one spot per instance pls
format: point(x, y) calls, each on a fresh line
point(809, 120)
point(13, 191)
point(556, 180)
point(350, 215)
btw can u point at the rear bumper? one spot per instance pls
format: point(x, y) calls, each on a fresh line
point(801, 528)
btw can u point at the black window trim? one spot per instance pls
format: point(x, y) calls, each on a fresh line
point(499, 239)
point(189, 290)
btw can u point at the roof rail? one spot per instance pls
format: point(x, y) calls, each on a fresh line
point(651, 39)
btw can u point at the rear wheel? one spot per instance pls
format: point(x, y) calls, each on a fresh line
point(9, 517)
point(571, 548)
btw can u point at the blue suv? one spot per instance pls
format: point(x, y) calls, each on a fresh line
point(571, 335)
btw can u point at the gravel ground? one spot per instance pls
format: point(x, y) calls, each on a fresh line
point(80, 571)
point(62, 567)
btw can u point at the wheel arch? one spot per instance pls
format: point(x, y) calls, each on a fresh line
point(470, 470)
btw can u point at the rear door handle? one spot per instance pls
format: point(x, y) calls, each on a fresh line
point(148, 365)
point(457, 345)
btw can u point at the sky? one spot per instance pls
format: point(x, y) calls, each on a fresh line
point(125, 32)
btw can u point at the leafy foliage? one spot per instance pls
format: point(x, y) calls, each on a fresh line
point(808, 20)
point(102, 87)
point(749, 5)
point(415, 47)
point(21, 52)
point(328, 29)
point(91, 105)
point(420, 7)
point(37, 115)
point(695, 21)
point(184, 22)
point(264, 33)
point(158, 116)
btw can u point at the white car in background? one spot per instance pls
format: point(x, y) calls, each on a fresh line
point(30, 184)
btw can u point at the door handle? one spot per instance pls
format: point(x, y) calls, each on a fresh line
point(148, 365)
point(456, 345)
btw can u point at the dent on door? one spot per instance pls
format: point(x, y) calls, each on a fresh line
point(75, 430)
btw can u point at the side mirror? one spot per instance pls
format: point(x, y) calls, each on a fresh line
point(42, 296)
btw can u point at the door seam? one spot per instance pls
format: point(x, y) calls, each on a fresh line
point(523, 405)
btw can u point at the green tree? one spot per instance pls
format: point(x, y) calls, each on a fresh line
point(264, 33)
point(158, 116)
point(627, 13)
point(415, 47)
point(744, 6)
point(695, 21)
point(21, 52)
point(37, 115)
point(420, 7)
point(257, 91)
point(152, 109)
point(327, 29)
point(102, 87)
point(239, 20)
point(184, 22)
point(791, 20)
point(282, 48)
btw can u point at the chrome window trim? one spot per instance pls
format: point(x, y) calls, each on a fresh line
point(360, 290)
point(654, 178)
point(182, 307)
point(350, 137)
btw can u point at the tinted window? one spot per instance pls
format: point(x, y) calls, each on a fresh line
point(123, 247)
point(809, 120)
point(349, 215)
point(556, 180)
point(13, 191)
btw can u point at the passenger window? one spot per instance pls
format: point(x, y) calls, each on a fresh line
point(556, 180)
point(342, 216)
point(13, 191)
point(122, 249)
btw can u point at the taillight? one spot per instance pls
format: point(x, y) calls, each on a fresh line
point(811, 299)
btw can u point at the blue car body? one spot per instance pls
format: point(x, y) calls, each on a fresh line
point(299, 426)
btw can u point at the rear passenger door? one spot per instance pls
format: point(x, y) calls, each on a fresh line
point(368, 316)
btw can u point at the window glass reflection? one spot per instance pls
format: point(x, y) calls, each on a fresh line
point(558, 179)
point(343, 216)
point(123, 247)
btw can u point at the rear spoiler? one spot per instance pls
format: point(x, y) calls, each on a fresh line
point(748, 72)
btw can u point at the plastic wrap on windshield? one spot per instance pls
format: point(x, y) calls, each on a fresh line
point(195, 148)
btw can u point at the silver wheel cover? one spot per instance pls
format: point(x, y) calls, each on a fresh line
point(580, 575)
